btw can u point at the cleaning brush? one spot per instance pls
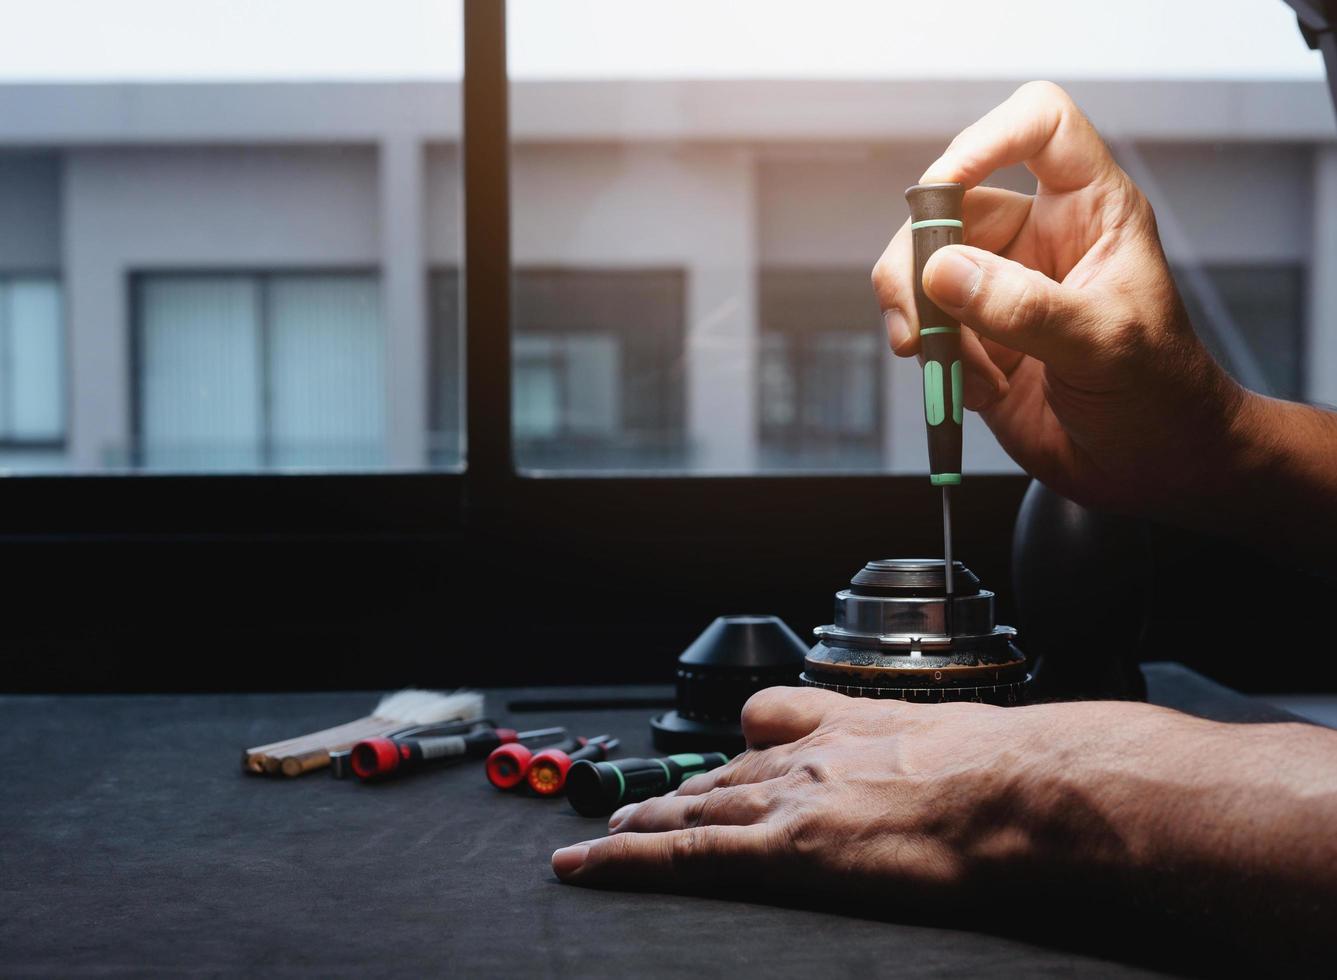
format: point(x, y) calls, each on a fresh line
point(306, 753)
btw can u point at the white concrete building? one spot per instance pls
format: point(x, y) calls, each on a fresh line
point(265, 276)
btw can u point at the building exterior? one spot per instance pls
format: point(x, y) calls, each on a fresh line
point(237, 277)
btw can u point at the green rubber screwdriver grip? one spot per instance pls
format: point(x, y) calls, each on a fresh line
point(935, 221)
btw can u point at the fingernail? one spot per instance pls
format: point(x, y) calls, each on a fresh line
point(898, 328)
point(954, 279)
point(566, 861)
point(616, 819)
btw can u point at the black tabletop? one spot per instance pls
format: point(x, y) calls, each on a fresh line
point(133, 843)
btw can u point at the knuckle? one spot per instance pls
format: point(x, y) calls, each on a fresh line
point(1046, 91)
point(887, 283)
point(1030, 308)
point(883, 276)
point(612, 850)
point(761, 802)
point(1123, 339)
point(801, 835)
point(814, 770)
point(762, 705)
point(687, 848)
point(700, 809)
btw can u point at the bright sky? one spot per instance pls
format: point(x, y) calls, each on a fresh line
point(398, 39)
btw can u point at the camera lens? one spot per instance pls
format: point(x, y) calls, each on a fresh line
point(890, 638)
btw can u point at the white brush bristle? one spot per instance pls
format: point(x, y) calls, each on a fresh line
point(414, 707)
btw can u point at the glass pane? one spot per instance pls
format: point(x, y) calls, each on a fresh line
point(445, 445)
point(200, 373)
point(33, 386)
point(706, 187)
point(325, 374)
point(597, 357)
point(234, 212)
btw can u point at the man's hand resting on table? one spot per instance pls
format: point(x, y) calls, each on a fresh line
point(906, 805)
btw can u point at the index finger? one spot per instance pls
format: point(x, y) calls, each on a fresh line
point(685, 858)
point(1040, 126)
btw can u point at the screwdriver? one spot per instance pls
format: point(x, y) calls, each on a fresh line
point(378, 757)
point(508, 764)
point(935, 221)
point(596, 789)
point(341, 760)
point(548, 770)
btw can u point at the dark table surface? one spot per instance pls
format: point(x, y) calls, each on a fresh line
point(133, 844)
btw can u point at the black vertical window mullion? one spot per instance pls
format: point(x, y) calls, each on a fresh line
point(488, 447)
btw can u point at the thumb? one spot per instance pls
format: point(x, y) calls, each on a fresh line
point(1009, 303)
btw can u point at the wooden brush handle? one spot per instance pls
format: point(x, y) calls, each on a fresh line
point(296, 765)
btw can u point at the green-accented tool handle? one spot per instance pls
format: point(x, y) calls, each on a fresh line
point(935, 221)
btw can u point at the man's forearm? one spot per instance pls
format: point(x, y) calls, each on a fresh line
point(1231, 829)
point(1276, 489)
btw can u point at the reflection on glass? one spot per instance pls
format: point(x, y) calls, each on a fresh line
point(597, 368)
point(820, 377)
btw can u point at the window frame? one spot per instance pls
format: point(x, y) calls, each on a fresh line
point(593, 554)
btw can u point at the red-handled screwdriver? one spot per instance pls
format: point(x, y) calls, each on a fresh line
point(548, 769)
point(507, 764)
point(376, 758)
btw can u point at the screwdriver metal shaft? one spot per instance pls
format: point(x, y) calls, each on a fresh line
point(947, 565)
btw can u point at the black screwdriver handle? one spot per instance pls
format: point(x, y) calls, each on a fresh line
point(598, 788)
point(935, 221)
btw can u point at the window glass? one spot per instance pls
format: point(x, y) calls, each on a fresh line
point(274, 371)
point(32, 410)
point(598, 376)
point(1252, 318)
point(762, 151)
point(821, 376)
point(201, 377)
point(325, 377)
point(216, 224)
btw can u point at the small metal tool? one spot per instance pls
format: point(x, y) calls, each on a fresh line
point(935, 221)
